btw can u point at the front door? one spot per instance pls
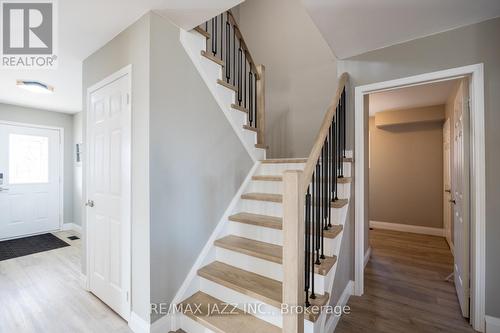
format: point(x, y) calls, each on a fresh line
point(108, 193)
point(460, 194)
point(30, 175)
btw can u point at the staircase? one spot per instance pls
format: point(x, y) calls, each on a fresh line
point(269, 249)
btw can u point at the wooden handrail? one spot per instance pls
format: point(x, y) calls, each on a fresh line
point(322, 134)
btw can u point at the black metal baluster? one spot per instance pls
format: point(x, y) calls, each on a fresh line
point(250, 99)
point(323, 198)
point(214, 35)
point(318, 212)
point(330, 169)
point(245, 81)
point(312, 232)
point(228, 51)
point(221, 36)
point(240, 64)
point(335, 154)
point(234, 56)
point(344, 118)
point(341, 138)
point(307, 246)
point(255, 99)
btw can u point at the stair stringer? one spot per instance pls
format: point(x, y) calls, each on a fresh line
point(210, 72)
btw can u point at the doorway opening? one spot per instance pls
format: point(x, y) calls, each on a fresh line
point(412, 190)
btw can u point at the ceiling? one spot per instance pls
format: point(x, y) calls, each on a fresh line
point(352, 27)
point(412, 97)
point(84, 27)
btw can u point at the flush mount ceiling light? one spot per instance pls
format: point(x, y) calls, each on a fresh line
point(35, 86)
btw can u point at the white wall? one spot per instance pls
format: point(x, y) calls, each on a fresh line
point(301, 73)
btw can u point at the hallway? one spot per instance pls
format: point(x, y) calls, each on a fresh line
point(405, 289)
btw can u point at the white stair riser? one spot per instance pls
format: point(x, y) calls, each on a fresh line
point(278, 168)
point(260, 207)
point(264, 186)
point(263, 267)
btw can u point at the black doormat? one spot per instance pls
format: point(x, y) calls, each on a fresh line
point(28, 245)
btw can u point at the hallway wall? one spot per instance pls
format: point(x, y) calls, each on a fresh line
point(406, 173)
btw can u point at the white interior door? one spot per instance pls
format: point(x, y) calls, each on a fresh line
point(30, 175)
point(460, 190)
point(108, 193)
point(447, 197)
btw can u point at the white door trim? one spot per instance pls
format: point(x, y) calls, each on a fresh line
point(477, 180)
point(61, 162)
point(127, 267)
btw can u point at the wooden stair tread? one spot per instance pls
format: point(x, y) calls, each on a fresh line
point(271, 178)
point(227, 85)
point(339, 203)
point(262, 250)
point(250, 128)
point(267, 251)
point(245, 282)
point(258, 220)
point(261, 146)
point(204, 310)
point(276, 223)
point(284, 160)
point(202, 32)
point(344, 180)
point(212, 57)
point(239, 108)
point(257, 286)
point(334, 231)
point(270, 197)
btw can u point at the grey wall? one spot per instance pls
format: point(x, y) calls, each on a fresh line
point(131, 47)
point(48, 118)
point(78, 205)
point(406, 171)
point(197, 163)
point(301, 73)
point(473, 44)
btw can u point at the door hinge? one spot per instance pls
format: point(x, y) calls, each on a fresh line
point(127, 297)
point(128, 98)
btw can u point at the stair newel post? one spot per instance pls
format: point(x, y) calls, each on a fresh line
point(293, 250)
point(261, 104)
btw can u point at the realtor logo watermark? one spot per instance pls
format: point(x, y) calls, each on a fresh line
point(29, 34)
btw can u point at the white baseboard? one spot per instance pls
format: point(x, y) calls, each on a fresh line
point(344, 298)
point(492, 324)
point(368, 254)
point(137, 324)
point(72, 226)
point(407, 228)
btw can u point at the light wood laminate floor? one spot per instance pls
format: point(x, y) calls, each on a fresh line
point(42, 293)
point(405, 288)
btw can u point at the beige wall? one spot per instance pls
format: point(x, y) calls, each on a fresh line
point(477, 43)
point(301, 73)
point(406, 173)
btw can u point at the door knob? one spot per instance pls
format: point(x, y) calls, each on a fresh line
point(89, 203)
point(453, 202)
